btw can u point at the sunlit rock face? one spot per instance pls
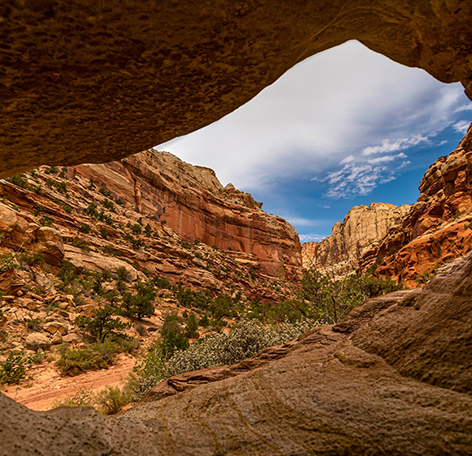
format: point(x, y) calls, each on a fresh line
point(193, 203)
point(362, 229)
point(93, 81)
point(438, 227)
point(394, 378)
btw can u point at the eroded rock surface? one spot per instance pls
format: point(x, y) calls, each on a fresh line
point(438, 226)
point(362, 229)
point(94, 82)
point(394, 378)
point(193, 203)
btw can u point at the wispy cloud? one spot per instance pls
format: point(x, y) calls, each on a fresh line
point(361, 173)
point(464, 107)
point(311, 237)
point(462, 126)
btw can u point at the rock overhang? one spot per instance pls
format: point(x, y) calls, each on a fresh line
point(91, 82)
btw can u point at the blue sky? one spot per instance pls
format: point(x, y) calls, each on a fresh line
point(345, 127)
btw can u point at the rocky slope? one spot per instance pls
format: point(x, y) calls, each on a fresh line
point(394, 378)
point(72, 239)
point(362, 228)
point(438, 226)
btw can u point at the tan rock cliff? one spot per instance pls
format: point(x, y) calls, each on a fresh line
point(91, 81)
point(437, 227)
point(362, 228)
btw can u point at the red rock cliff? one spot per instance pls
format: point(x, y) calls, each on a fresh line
point(192, 201)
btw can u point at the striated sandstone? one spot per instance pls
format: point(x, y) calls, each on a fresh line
point(394, 378)
point(437, 227)
point(193, 203)
point(362, 228)
point(94, 82)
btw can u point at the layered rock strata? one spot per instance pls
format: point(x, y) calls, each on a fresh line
point(438, 227)
point(362, 229)
point(193, 203)
point(94, 82)
point(394, 378)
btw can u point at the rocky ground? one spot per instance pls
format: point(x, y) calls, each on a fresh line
point(394, 378)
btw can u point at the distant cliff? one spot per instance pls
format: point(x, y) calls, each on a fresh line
point(362, 229)
point(438, 227)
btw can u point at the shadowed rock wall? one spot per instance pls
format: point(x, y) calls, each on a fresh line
point(91, 81)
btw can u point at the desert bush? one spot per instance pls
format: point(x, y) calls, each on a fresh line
point(123, 274)
point(332, 299)
point(246, 339)
point(13, 369)
point(138, 305)
point(67, 273)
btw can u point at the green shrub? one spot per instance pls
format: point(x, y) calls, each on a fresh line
point(123, 274)
point(161, 282)
point(84, 228)
point(81, 244)
point(332, 299)
point(67, 209)
point(136, 229)
point(102, 323)
point(13, 369)
point(109, 205)
point(67, 272)
point(77, 361)
point(46, 221)
point(18, 180)
point(139, 305)
point(112, 399)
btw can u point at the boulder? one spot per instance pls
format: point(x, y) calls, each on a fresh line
point(51, 245)
point(37, 340)
point(56, 326)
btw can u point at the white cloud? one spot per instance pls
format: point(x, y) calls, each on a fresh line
point(321, 115)
point(465, 107)
point(311, 237)
point(462, 126)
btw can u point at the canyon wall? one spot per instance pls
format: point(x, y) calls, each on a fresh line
point(438, 227)
point(362, 228)
point(92, 81)
point(193, 203)
point(407, 243)
point(394, 378)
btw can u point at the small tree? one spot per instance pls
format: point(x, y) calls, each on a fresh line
point(102, 323)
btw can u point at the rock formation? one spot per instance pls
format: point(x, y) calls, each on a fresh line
point(394, 378)
point(94, 82)
point(438, 226)
point(193, 203)
point(189, 228)
point(362, 228)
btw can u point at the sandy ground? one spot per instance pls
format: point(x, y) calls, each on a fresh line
point(48, 387)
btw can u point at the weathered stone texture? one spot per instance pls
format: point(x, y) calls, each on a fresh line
point(362, 228)
point(394, 378)
point(93, 81)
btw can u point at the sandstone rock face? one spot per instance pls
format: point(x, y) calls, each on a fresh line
point(193, 203)
point(437, 227)
point(394, 378)
point(362, 229)
point(91, 82)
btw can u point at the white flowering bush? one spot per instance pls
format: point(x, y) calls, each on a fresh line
point(246, 339)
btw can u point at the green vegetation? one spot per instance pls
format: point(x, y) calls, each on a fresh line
point(102, 323)
point(94, 357)
point(13, 369)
